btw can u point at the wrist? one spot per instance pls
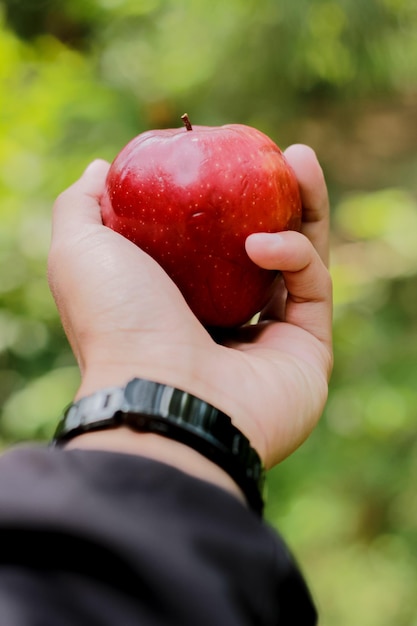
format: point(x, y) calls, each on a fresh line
point(170, 364)
point(145, 406)
point(201, 369)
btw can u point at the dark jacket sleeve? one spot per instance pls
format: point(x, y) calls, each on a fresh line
point(101, 538)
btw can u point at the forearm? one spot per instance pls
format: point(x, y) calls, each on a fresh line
point(159, 448)
point(122, 539)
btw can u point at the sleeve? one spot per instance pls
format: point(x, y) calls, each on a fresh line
point(103, 538)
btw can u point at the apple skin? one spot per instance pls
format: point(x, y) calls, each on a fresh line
point(190, 197)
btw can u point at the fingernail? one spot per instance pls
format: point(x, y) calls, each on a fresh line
point(267, 239)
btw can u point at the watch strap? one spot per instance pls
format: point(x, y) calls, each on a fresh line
point(147, 406)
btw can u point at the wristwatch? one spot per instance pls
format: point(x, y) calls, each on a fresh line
point(147, 406)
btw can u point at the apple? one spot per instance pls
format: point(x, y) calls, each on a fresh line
point(190, 196)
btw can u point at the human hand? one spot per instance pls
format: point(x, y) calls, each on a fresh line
point(124, 317)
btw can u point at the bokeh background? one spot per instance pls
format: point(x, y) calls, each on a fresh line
point(79, 78)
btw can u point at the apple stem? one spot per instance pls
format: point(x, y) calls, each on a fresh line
point(186, 121)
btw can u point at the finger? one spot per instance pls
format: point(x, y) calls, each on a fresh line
point(307, 280)
point(314, 197)
point(80, 203)
point(290, 252)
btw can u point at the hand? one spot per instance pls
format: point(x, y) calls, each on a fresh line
point(124, 317)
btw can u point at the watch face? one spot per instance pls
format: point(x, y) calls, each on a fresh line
point(144, 405)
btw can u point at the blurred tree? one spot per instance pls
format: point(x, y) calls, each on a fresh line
point(71, 22)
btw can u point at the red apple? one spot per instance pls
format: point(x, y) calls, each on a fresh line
point(190, 196)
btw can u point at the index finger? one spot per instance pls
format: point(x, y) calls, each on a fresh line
point(79, 204)
point(314, 197)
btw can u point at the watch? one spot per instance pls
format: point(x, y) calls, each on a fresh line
point(147, 406)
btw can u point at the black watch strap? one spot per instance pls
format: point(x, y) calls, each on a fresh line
point(146, 406)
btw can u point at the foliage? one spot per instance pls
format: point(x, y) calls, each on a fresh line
point(81, 77)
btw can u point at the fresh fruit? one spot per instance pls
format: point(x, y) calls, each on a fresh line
point(190, 196)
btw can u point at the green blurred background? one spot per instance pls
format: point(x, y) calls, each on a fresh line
point(79, 78)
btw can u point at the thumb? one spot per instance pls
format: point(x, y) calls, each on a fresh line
point(307, 280)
